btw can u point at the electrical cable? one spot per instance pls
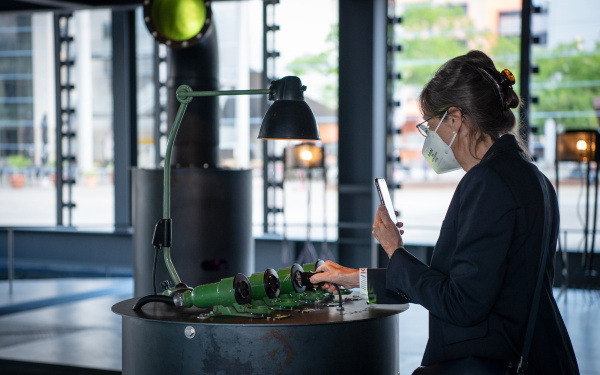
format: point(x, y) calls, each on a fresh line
point(305, 280)
point(156, 248)
point(339, 295)
point(152, 298)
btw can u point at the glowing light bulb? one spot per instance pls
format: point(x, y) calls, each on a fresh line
point(581, 145)
point(306, 155)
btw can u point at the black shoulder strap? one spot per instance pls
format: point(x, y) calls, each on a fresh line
point(548, 216)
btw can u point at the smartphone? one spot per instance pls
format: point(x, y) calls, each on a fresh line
point(384, 197)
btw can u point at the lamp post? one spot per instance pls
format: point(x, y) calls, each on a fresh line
point(289, 117)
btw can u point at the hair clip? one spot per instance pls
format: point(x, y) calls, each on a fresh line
point(507, 78)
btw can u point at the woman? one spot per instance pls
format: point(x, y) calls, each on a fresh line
point(481, 280)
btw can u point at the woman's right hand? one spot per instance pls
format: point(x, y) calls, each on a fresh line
point(332, 273)
point(388, 234)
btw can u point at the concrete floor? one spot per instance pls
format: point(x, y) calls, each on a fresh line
point(65, 326)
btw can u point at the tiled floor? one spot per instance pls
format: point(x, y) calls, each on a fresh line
point(580, 311)
point(76, 330)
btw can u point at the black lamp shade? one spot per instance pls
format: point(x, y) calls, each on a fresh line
point(289, 117)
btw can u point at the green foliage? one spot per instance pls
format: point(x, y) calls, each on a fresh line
point(324, 63)
point(18, 161)
point(429, 40)
point(568, 82)
point(419, 17)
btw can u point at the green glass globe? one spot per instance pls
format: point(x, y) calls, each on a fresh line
point(178, 20)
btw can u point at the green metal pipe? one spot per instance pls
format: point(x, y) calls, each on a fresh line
point(265, 284)
point(289, 279)
point(188, 94)
point(226, 292)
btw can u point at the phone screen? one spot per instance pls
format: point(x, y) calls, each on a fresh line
point(384, 197)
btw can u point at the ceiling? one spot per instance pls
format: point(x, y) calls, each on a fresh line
point(51, 5)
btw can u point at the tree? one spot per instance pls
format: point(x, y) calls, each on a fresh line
point(326, 64)
point(430, 35)
point(567, 84)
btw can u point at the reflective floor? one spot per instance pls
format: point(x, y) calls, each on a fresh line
point(65, 326)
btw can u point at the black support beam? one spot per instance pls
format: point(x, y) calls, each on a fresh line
point(362, 124)
point(125, 112)
point(525, 93)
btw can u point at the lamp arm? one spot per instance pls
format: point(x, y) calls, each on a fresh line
point(185, 95)
point(167, 189)
point(188, 94)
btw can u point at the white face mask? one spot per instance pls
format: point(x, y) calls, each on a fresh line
point(438, 153)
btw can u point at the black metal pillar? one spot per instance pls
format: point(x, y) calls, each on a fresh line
point(524, 93)
point(64, 64)
point(271, 185)
point(362, 125)
point(124, 111)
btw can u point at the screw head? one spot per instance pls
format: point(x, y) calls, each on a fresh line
point(190, 332)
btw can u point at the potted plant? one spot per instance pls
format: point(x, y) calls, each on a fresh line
point(91, 177)
point(18, 163)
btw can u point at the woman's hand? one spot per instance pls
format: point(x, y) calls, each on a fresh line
point(331, 273)
point(386, 232)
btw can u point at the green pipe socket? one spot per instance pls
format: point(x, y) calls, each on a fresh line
point(312, 267)
point(290, 279)
point(265, 284)
point(226, 292)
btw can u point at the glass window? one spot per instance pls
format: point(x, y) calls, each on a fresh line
point(146, 108)
point(94, 194)
point(28, 125)
point(430, 34)
point(310, 53)
point(309, 50)
point(567, 89)
point(27, 194)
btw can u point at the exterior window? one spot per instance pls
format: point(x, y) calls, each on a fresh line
point(28, 121)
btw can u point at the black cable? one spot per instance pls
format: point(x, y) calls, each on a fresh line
point(305, 280)
point(339, 295)
point(156, 248)
point(152, 298)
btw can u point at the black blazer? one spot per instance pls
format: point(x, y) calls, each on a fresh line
point(480, 283)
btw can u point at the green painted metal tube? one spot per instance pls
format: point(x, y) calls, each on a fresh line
point(226, 292)
point(265, 284)
point(289, 279)
point(223, 92)
point(167, 188)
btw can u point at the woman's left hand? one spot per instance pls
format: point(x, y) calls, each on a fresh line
point(386, 232)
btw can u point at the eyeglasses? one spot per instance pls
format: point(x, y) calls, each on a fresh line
point(424, 128)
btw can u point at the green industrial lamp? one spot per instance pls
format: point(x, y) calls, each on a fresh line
point(289, 118)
